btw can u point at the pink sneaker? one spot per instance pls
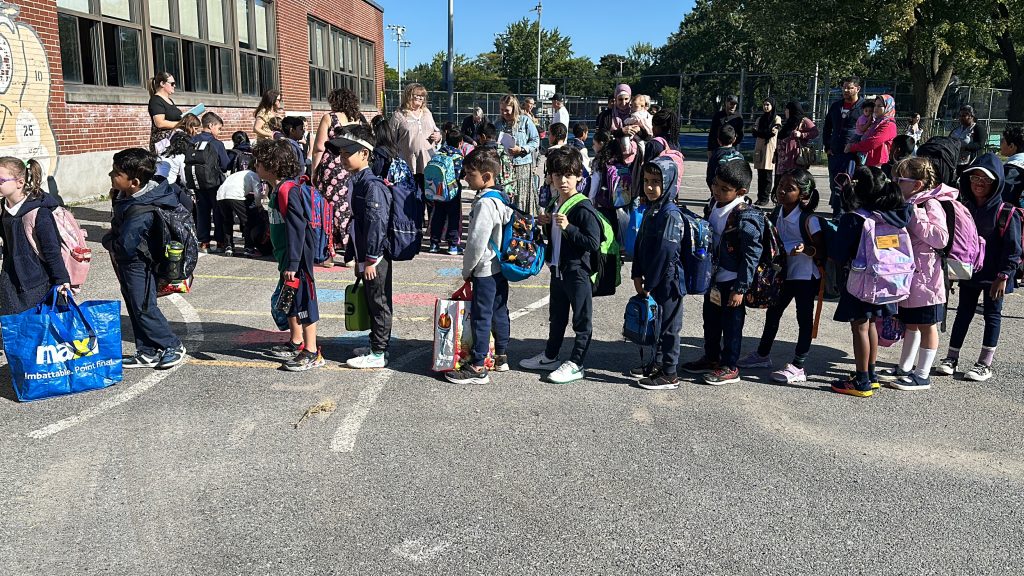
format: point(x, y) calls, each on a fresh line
point(789, 375)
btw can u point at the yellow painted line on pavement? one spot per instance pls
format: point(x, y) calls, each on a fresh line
point(328, 316)
point(322, 280)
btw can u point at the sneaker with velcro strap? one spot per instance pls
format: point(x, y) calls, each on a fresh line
point(305, 360)
point(286, 351)
point(140, 360)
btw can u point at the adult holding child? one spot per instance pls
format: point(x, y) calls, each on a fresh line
point(328, 170)
point(269, 107)
point(766, 131)
point(163, 112)
point(526, 142)
point(877, 141)
point(840, 123)
point(416, 129)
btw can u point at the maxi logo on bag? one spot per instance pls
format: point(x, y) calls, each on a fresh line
point(65, 351)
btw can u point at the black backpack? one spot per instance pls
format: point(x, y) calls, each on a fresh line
point(202, 167)
point(171, 225)
point(240, 160)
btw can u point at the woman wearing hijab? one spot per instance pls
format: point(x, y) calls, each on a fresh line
point(878, 139)
point(766, 130)
point(796, 133)
point(613, 119)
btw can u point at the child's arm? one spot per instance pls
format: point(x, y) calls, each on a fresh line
point(378, 215)
point(929, 224)
point(1012, 249)
point(750, 230)
point(296, 222)
point(586, 237)
point(482, 220)
point(868, 143)
point(222, 155)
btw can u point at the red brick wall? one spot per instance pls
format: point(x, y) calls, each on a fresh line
point(84, 128)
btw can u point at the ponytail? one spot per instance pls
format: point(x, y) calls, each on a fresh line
point(31, 172)
point(805, 183)
point(156, 81)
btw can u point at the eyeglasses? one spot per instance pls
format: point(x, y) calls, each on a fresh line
point(6, 180)
point(980, 179)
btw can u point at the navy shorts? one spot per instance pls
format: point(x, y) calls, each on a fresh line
point(305, 307)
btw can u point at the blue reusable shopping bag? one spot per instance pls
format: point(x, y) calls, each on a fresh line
point(636, 217)
point(54, 349)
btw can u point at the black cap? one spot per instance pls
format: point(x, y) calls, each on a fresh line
point(557, 97)
point(732, 99)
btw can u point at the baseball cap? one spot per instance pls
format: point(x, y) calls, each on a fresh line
point(347, 144)
point(556, 98)
point(983, 170)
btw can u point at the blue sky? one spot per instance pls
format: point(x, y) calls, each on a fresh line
point(476, 23)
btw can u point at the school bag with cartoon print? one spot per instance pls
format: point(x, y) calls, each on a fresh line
point(522, 243)
point(765, 288)
point(440, 181)
point(882, 269)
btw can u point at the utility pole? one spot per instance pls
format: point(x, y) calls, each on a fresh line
point(451, 60)
point(404, 44)
point(621, 62)
point(539, 8)
point(399, 31)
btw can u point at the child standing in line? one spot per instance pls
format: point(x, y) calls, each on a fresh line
point(981, 189)
point(571, 223)
point(487, 136)
point(737, 229)
point(724, 154)
point(869, 190)
point(658, 271)
point(482, 267)
point(579, 140)
point(28, 272)
point(800, 232)
point(293, 132)
point(206, 199)
point(925, 307)
point(371, 213)
point(132, 242)
point(449, 214)
point(294, 243)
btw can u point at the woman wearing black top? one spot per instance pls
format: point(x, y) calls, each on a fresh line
point(164, 114)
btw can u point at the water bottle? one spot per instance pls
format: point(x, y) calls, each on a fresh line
point(287, 297)
point(174, 253)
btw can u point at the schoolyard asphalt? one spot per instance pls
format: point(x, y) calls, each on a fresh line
point(211, 468)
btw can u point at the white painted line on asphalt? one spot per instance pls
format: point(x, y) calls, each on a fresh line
point(345, 437)
point(193, 332)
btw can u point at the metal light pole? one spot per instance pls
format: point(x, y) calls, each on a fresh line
point(539, 8)
point(405, 56)
point(451, 60)
point(399, 31)
point(621, 62)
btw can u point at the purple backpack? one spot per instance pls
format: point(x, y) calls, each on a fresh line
point(964, 254)
point(881, 271)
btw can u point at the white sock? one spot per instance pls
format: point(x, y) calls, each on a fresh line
point(911, 343)
point(925, 359)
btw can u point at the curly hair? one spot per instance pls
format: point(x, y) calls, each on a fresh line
point(345, 101)
point(277, 157)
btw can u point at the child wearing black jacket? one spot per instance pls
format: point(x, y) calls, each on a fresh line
point(571, 222)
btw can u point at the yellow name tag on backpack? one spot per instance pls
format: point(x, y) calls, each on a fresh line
point(885, 242)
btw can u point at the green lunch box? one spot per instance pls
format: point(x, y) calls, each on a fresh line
point(357, 314)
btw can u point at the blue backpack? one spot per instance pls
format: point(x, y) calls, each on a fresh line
point(321, 217)
point(696, 253)
point(522, 243)
point(405, 231)
point(440, 182)
point(641, 321)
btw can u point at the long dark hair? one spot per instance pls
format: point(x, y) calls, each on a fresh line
point(179, 144)
point(267, 102)
point(796, 115)
point(870, 189)
point(764, 123)
point(665, 123)
point(804, 181)
point(387, 136)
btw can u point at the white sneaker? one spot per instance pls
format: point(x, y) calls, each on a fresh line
point(539, 362)
point(361, 351)
point(567, 372)
point(365, 361)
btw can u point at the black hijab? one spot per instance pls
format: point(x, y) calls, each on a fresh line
point(796, 115)
point(767, 119)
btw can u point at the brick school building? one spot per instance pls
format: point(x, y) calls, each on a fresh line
point(73, 73)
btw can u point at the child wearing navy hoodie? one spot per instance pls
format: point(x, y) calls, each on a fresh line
point(658, 271)
point(981, 190)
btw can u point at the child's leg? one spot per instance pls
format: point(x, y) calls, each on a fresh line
point(872, 350)
point(309, 336)
point(379, 305)
point(911, 345)
point(804, 292)
point(582, 302)
point(227, 214)
point(861, 346)
point(437, 220)
point(558, 315)
point(501, 324)
point(712, 315)
point(668, 344)
point(732, 332)
point(152, 331)
point(928, 349)
point(969, 295)
point(481, 310)
point(454, 220)
point(774, 315)
point(205, 205)
point(295, 330)
point(243, 221)
point(993, 311)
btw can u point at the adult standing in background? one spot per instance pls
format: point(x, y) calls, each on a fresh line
point(559, 113)
point(471, 125)
point(270, 106)
point(417, 132)
point(766, 130)
point(914, 130)
point(163, 113)
point(729, 114)
point(528, 110)
point(797, 131)
point(614, 118)
point(527, 142)
point(840, 124)
point(972, 137)
point(329, 175)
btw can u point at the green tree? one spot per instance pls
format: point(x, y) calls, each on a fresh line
point(518, 48)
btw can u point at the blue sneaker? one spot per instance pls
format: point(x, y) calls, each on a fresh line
point(434, 248)
point(893, 374)
point(171, 357)
point(455, 250)
point(911, 382)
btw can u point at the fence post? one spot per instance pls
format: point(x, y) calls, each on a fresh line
point(743, 80)
point(679, 102)
point(988, 119)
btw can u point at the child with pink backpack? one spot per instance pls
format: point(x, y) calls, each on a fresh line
point(999, 223)
point(925, 307)
point(872, 249)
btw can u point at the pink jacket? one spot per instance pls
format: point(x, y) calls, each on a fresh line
point(876, 143)
point(928, 233)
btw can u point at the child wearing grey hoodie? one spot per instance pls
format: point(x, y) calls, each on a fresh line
point(481, 266)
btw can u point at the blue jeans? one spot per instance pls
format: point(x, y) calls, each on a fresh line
point(488, 313)
point(992, 311)
point(723, 328)
point(667, 354)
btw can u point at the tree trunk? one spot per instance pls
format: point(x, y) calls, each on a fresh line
point(930, 72)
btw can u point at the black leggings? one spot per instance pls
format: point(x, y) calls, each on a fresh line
point(804, 292)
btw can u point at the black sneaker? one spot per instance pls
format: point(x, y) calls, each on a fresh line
point(171, 357)
point(286, 351)
point(468, 375)
point(700, 366)
point(645, 372)
point(229, 251)
point(305, 360)
point(140, 360)
point(659, 382)
point(501, 363)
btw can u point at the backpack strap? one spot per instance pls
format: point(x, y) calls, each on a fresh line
point(28, 223)
point(947, 207)
point(1002, 223)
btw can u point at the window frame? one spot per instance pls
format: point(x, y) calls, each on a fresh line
point(97, 44)
point(351, 62)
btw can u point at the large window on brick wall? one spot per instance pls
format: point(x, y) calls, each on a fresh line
point(210, 46)
point(338, 59)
